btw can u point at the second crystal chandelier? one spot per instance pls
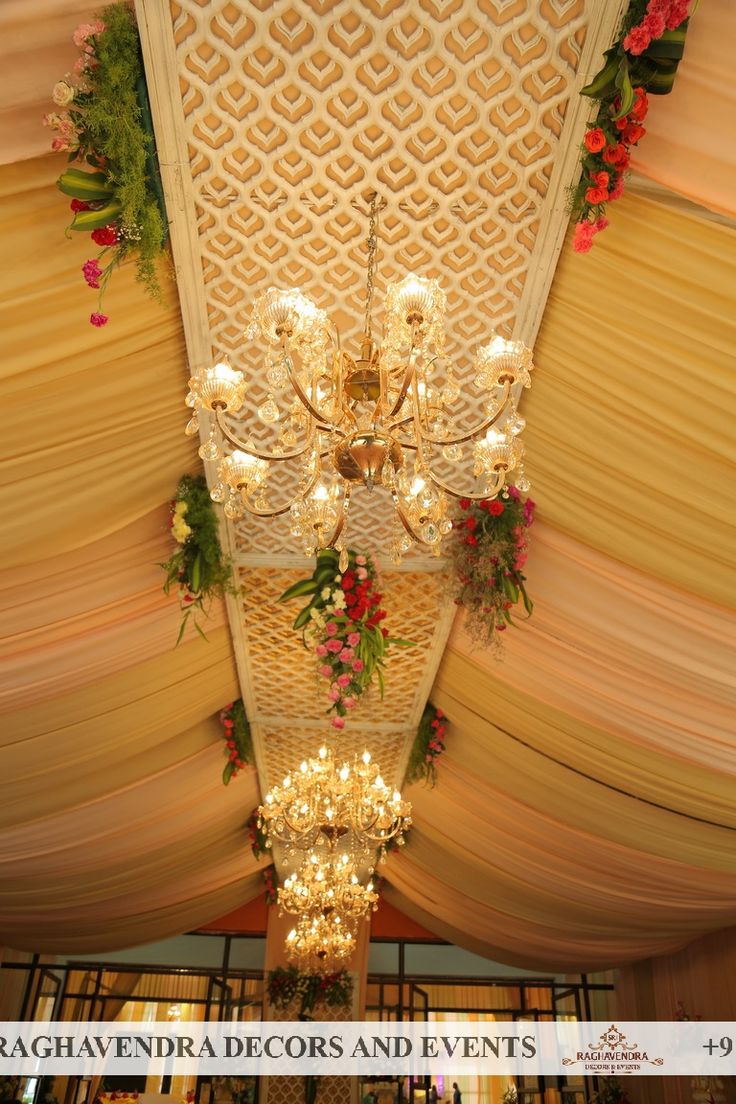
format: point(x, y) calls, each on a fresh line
point(382, 419)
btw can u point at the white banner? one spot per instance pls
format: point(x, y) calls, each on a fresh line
point(322, 1048)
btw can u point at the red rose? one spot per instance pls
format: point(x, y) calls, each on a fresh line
point(601, 179)
point(350, 600)
point(471, 523)
point(348, 580)
point(106, 235)
point(471, 540)
point(79, 205)
point(615, 155)
point(622, 123)
point(595, 140)
point(496, 508)
point(464, 503)
point(384, 633)
point(641, 106)
point(596, 195)
point(633, 133)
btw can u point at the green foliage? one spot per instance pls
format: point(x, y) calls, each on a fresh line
point(286, 985)
point(197, 567)
point(258, 835)
point(428, 746)
point(610, 1092)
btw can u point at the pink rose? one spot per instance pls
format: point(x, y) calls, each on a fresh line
point(326, 671)
point(330, 628)
point(358, 665)
point(354, 639)
point(348, 702)
point(334, 646)
point(343, 681)
point(346, 655)
point(338, 722)
point(362, 573)
point(321, 650)
point(360, 560)
point(334, 694)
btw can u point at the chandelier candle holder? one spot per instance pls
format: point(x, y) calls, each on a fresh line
point(386, 419)
point(320, 803)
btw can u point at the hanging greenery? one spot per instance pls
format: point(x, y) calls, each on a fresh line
point(104, 123)
point(489, 551)
point(238, 743)
point(198, 567)
point(642, 61)
point(429, 744)
point(257, 834)
point(287, 984)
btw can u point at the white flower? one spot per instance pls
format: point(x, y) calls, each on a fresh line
point(326, 593)
point(62, 93)
point(340, 600)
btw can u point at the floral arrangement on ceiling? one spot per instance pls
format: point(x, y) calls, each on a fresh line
point(197, 568)
point(341, 624)
point(271, 884)
point(258, 834)
point(489, 553)
point(238, 743)
point(643, 60)
point(429, 744)
point(104, 124)
point(287, 984)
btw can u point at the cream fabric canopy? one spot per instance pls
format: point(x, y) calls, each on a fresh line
point(584, 811)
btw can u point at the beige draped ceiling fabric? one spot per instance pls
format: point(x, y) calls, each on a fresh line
point(584, 814)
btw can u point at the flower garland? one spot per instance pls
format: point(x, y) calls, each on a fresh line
point(428, 746)
point(288, 984)
point(644, 59)
point(341, 623)
point(197, 567)
point(105, 124)
point(257, 834)
point(489, 554)
point(238, 743)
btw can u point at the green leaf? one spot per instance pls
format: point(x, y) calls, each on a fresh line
point(227, 773)
point(625, 89)
point(200, 630)
point(379, 676)
point(196, 576)
point(95, 220)
point(298, 590)
point(669, 45)
point(397, 642)
point(182, 627)
point(302, 617)
point(92, 187)
point(602, 83)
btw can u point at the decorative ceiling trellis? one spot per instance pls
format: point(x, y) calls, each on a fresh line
point(459, 114)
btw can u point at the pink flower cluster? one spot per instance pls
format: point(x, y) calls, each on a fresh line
point(436, 745)
point(661, 15)
point(84, 32)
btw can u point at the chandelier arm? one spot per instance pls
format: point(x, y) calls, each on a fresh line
point(406, 382)
point(251, 451)
point(500, 477)
point(476, 430)
point(282, 509)
point(301, 393)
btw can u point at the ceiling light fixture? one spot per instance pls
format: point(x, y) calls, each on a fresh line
point(383, 419)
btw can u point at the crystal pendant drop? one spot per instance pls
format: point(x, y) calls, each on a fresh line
point(192, 426)
point(277, 376)
point(452, 452)
point(523, 484)
point(344, 560)
point(190, 400)
point(232, 509)
point(218, 492)
point(209, 449)
point(268, 412)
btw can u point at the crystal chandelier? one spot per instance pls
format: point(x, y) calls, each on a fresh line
point(328, 885)
point(383, 419)
point(321, 802)
point(320, 939)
